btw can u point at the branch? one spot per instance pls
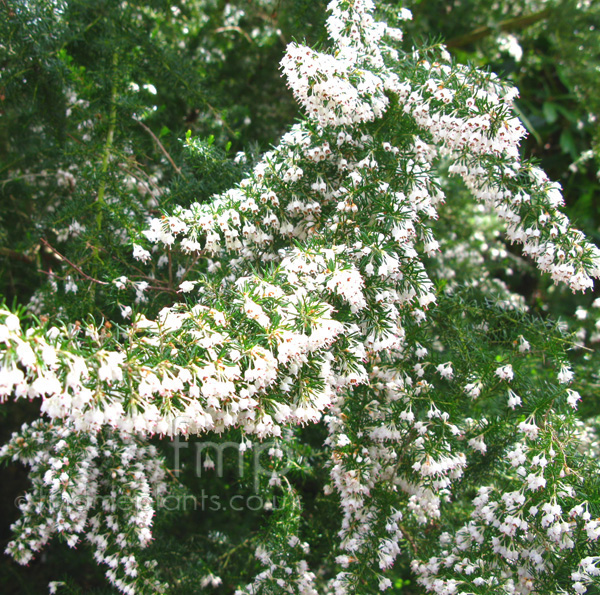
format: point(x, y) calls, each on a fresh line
point(14, 255)
point(219, 117)
point(508, 25)
point(71, 264)
point(160, 145)
point(138, 176)
point(409, 539)
point(272, 19)
point(238, 29)
point(112, 123)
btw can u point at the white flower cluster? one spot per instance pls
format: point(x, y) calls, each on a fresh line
point(469, 117)
point(98, 487)
point(286, 570)
point(349, 87)
point(519, 533)
point(216, 391)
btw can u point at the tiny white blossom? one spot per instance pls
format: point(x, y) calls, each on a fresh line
point(187, 286)
point(573, 397)
point(505, 373)
point(514, 400)
point(121, 282)
point(140, 253)
point(445, 370)
point(126, 311)
point(565, 375)
point(524, 345)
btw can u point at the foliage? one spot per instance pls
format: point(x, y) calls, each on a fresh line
point(347, 311)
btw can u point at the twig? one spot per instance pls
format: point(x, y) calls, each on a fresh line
point(139, 175)
point(24, 177)
point(16, 255)
point(160, 145)
point(227, 555)
point(528, 124)
point(273, 20)
point(74, 138)
point(72, 265)
point(167, 289)
point(170, 269)
point(221, 119)
point(112, 124)
point(507, 25)
point(150, 287)
point(238, 29)
point(190, 267)
point(408, 538)
point(141, 272)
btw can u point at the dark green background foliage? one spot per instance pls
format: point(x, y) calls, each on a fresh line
point(96, 101)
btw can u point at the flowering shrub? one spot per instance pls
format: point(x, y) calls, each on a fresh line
point(328, 288)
